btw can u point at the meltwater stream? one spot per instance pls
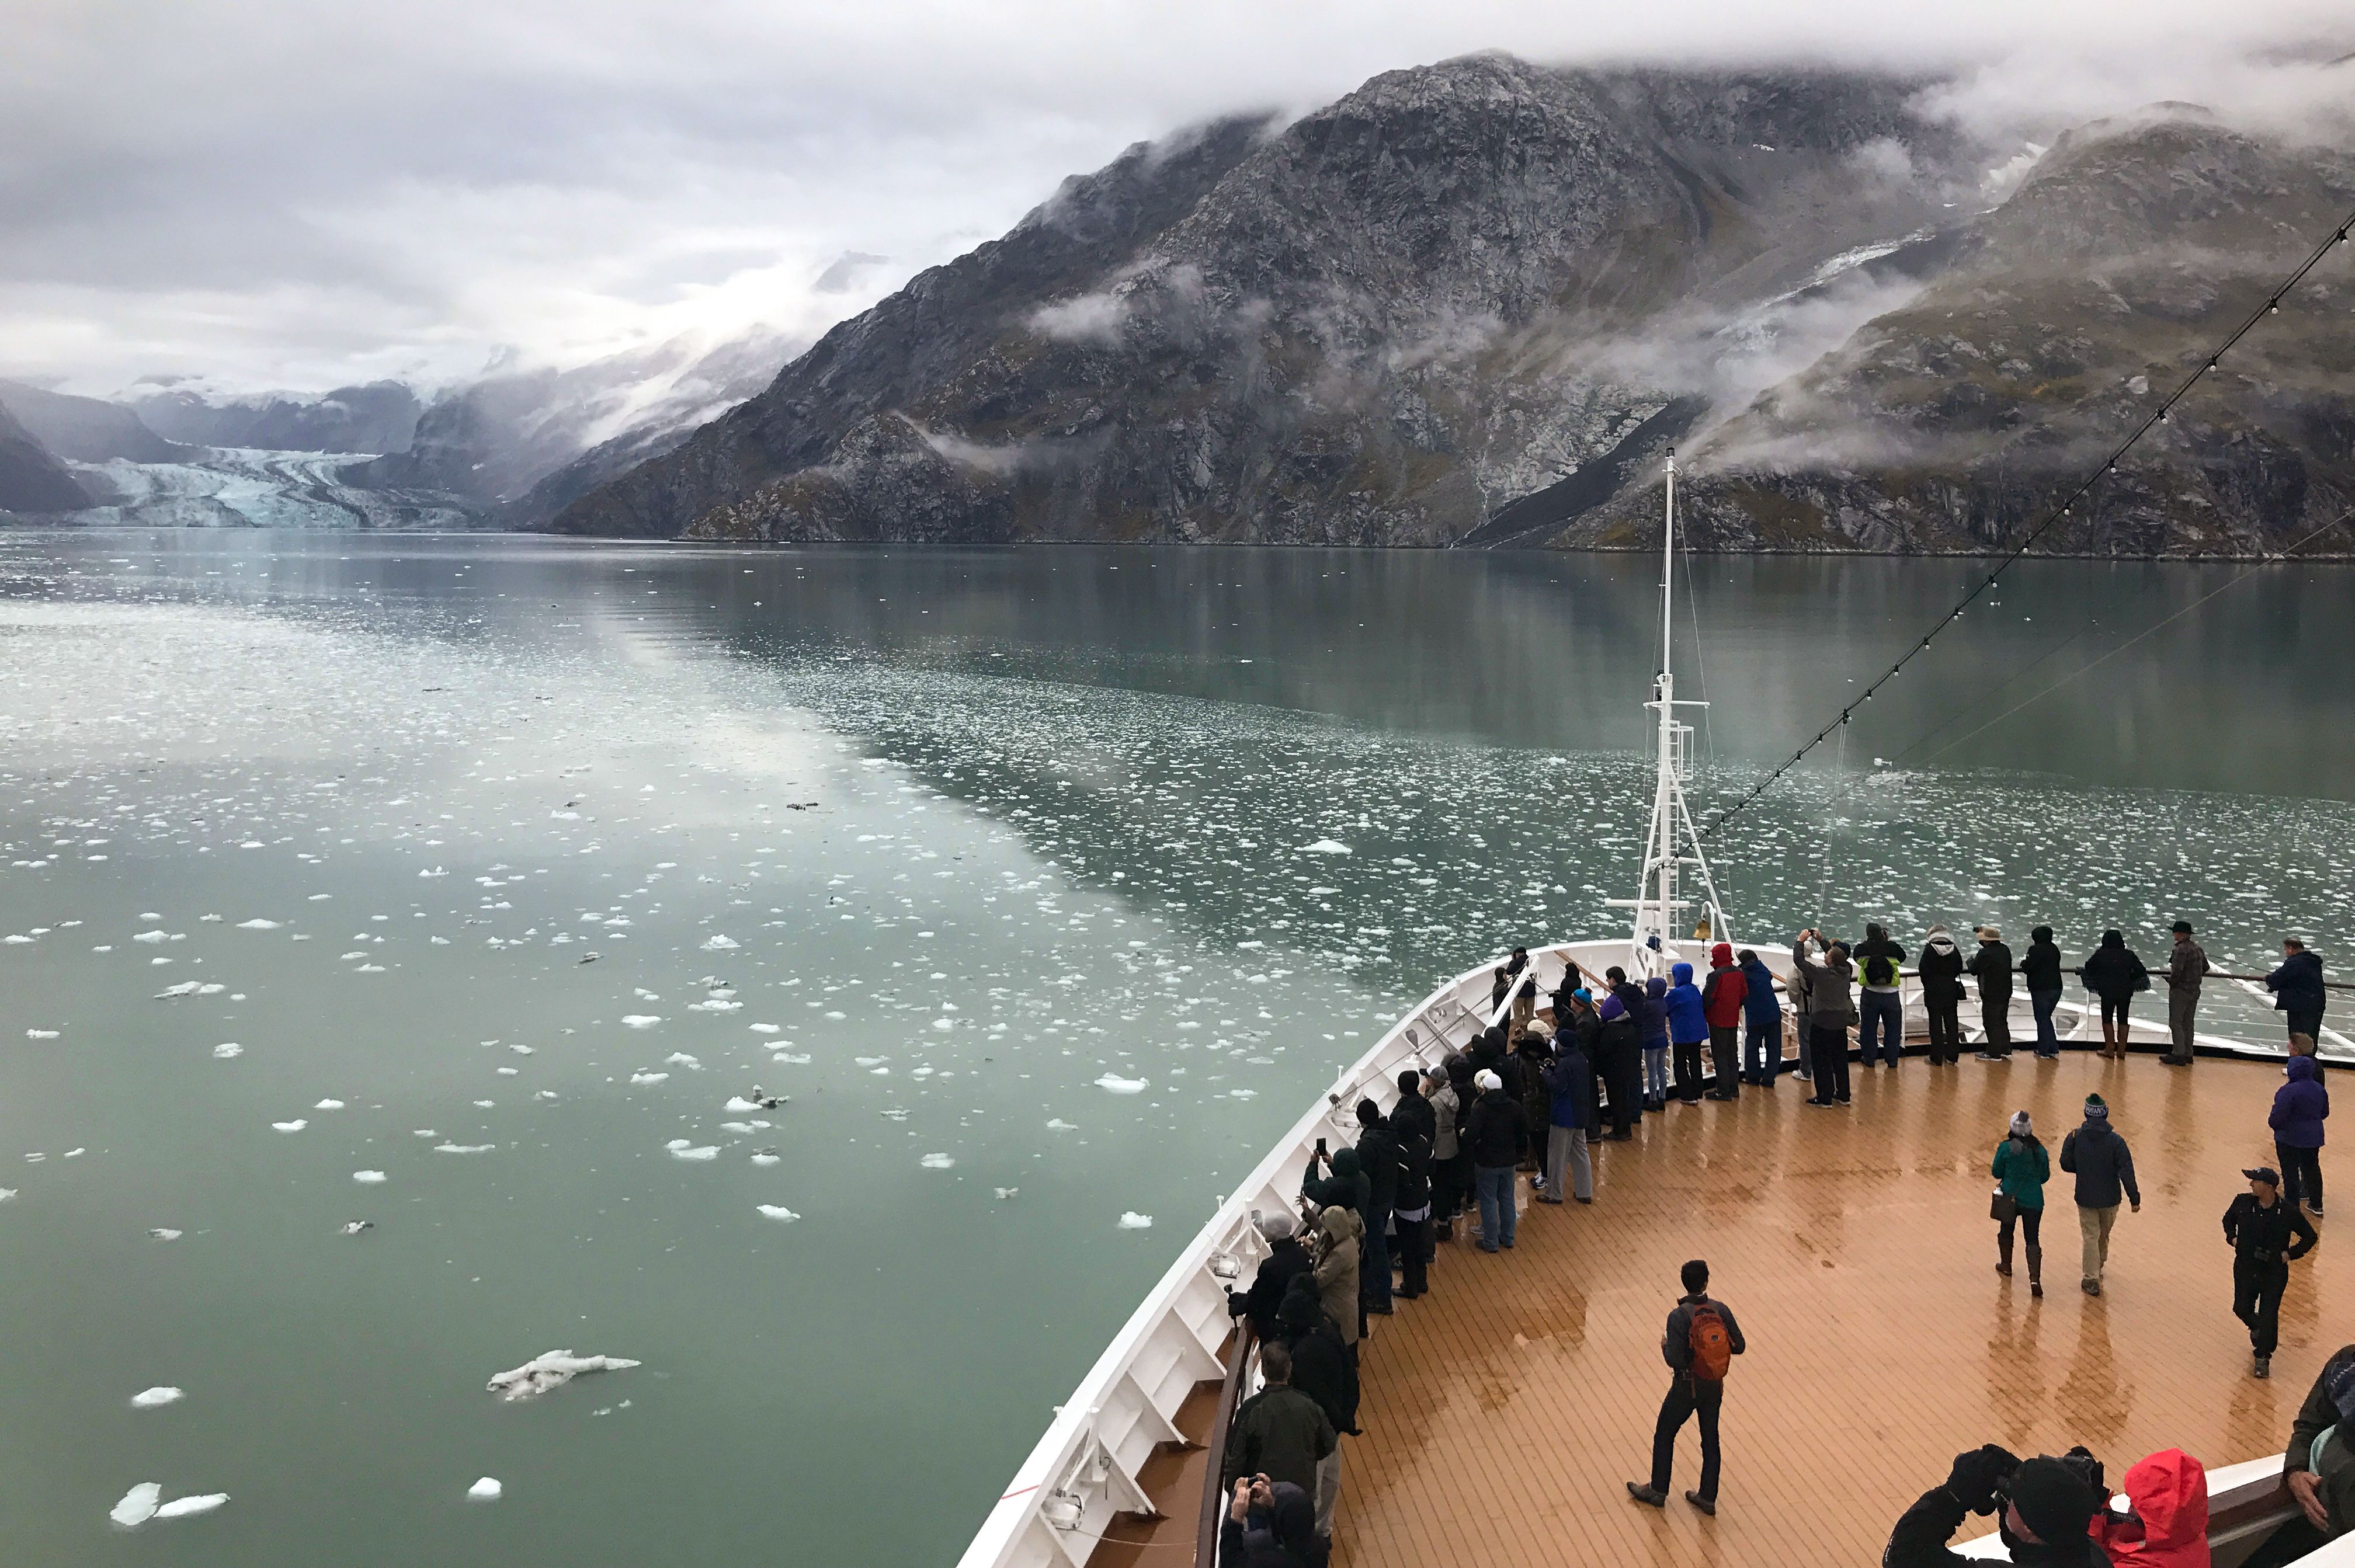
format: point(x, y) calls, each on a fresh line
point(483, 891)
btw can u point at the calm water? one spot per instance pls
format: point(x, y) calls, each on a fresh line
point(504, 865)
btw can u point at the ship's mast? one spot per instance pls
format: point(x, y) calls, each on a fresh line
point(1671, 845)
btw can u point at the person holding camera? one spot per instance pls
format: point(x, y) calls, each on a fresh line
point(1268, 1524)
point(2044, 1509)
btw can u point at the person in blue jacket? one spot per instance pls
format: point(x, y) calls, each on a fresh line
point(1762, 1051)
point(1652, 1014)
point(2300, 1107)
point(1688, 1031)
point(2297, 986)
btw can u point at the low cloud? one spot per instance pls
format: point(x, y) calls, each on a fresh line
point(1085, 318)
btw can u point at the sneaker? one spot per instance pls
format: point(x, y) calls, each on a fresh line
point(1823, 1104)
point(2036, 1288)
point(2091, 1287)
point(2315, 1210)
point(1706, 1505)
point(2262, 1368)
point(1643, 1493)
point(1984, 1056)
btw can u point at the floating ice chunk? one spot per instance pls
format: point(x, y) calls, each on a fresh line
point(1325, 847)
point(718, 943)
point(550, 1370)
point(328, 1105)
point(707, 1151)
point(148, 1399)
point(1056, 1125)
point(762, 1028)
point(714, 1005)
point(436, 872)
point(485, 1490)
point(73, 1154)
point(944, 1025)
point(778, 1211)
point(936, 1162)
point(485, 1105)
point(649, 1077)
point(641, 1020)
point(257, 925)
point(354, 1227)
point(764, 1159)
point(138, 1505)
point(40, 1034)
point(184, 1508)
point(228, 1049)
point(164, 1233)
point(1131, 1219)
point(368, 1178)
point(185, 988)
point(296, 1126)
point(1113, 1082)
point(741, 1129)
point(7, 1194)
point(738, 1103)
point(464, 1148)
point(681, 1058)
point(1005, 1192)
point(152, 936)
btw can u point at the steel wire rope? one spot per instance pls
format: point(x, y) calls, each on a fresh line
point(1701, 667)
point(2270, 305)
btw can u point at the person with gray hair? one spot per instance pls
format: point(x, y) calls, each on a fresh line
point(1286, 1260)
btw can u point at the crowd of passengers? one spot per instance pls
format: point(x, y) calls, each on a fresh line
point(1528, 1094)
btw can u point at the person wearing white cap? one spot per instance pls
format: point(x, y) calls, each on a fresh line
point(1494, 1133)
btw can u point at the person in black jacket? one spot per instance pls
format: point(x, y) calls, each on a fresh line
point(1991, 968)
point(1495, 1132)
point(1690, 1392)
point(2115, 972)
point(1619, 1057)
point(2039, 970)
point(1286, 1260)
point(1322, 1369)
point(1378, 1157)
point(1411, 1210)
point(2267, 1236)
point(1412, 1114)
point(2298, 988)
point(1942, 995)
point(1879, 998)
point(2047, 1507)
point(1268, 1524)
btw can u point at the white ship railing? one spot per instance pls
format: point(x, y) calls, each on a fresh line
point(1083, 1470)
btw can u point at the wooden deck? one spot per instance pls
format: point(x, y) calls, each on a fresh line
point(1503, 1411)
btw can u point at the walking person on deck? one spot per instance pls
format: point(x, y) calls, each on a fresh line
point(2098, 1158)
point(1688, 1031)
point(1761, 1023)
point(2022, 1167)
point(2039, 970)
point(1570, 1083)
point(1830, 1013)
point(1700, 1345)
point(1991, 968)
point(2115, 972)
point(2298, 988)
point(1942, 995)
point(1720, 1008)
point(2187, 965)
point(1652, 1017)
point(1881, 1034)
point(2300, 1107)
point(2266, 1233)
point(1495, 1132)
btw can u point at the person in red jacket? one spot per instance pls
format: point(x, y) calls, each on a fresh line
point(1720, 1004)
point(2167, 1526)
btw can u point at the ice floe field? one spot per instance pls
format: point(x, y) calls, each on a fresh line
point(534, 1053)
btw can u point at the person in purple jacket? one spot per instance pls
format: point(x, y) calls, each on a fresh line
point(1652, 1014)
point(2300, 1106)
point(1688, 1031)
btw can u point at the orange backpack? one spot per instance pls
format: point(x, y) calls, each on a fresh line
point(1712, 1347)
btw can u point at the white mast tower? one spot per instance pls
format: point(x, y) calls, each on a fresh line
point(1672, 844)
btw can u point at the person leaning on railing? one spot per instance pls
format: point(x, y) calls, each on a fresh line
point(2318, 1466)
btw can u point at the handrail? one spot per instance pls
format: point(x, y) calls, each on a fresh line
point(1214, 1458)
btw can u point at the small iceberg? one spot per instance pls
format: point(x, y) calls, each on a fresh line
point(464, 1148)
point(487, 1491)
point(149, 1399)
point(1131, 1219)
point(716, 944)
point(936, 1162)
point(649, 1077)
point(138, 1505)
point(1114, 1083)
point(257, 925)
point(707, 1151)
point(184, 1508)
point(296, 1126)
point(1325, 847)
point(778, 1212)
point(368, 1178)
point(228, 1049)
point(641, 1020)
point(551, 1370)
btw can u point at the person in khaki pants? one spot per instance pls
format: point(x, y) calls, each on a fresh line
point(2187, 965)
point(2103, 1168)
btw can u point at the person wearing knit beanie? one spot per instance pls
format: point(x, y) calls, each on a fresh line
point(2103, 1166)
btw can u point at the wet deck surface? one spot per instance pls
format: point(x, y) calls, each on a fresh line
point(1503, 1411)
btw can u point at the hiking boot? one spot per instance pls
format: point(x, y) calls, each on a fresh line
point(2263, 1367)
point(1706, 1505)
point(1643, 1493)
point(2091, 1287)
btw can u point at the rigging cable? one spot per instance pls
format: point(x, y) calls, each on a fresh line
point(2271, 306)
point(2088, 669)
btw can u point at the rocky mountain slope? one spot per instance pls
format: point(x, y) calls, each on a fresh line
point(1384, 323)
point(371, 419)
point(1470, 303)
point(32, 480)
point(85, 430)
point(2068, 313)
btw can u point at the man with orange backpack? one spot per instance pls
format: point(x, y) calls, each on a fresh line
point(1701, 1341)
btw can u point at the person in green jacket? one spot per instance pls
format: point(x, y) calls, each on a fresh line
point(2022, 1167)
point(1279, 1433)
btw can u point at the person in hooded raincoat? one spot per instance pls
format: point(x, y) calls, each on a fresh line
point(1652, 1018)
point(2300, 1107)
point(1762, 1019)
point(1720, 1006)
point(2115, 972)
point(1941, 969)
point(1339, 1235)
point(2167, 1523)
point(1687, 1030)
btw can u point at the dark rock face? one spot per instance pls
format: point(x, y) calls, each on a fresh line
point(1960, 421)
point(1379, 324)
point(85, 430)
point(375, 418)
point(32, 480)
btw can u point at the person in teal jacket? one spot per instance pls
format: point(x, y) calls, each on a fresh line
point(2022, 1166)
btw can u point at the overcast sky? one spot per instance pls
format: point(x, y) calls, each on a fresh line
point(300, 193)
